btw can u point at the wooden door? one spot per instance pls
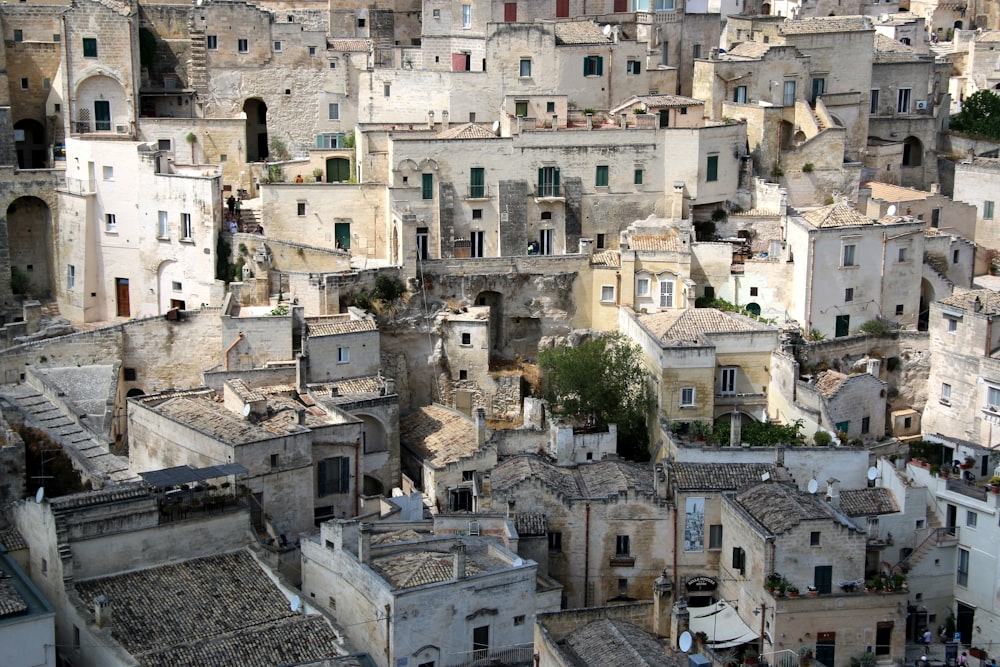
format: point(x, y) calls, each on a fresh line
point(121, 297)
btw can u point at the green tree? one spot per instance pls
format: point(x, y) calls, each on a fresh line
point(980, 115)
point(602, 382)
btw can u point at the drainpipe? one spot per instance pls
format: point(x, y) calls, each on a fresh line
point(677, 581)
point(230, 348)
point(809, 281)
point(70, 94)
point(586, 553)
point(357, 476)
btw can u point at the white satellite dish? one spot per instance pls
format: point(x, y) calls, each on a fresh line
point(246, 410)
point(39, 494)
point(891, 210)
point(766, 477)
point(812, 486)
point(873, 473)
point(496, 125)
point(606, 30)
point(884, 18)
point(685, 641)
point(296, 604)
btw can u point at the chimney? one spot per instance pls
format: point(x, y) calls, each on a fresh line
point(833, 492)
point(459, 564)
point(365, 543)
point(301, 414)
point(102, 611)
point(480, 426)
point(587, 247)
point(430, 120)
point(713, 54)
point(486, 488)
point(935, 188)
point(444, 121)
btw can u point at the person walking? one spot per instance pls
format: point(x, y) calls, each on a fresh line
point(927, 636)
point(239, 209)
point(231, 203)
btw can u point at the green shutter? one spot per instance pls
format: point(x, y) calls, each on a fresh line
point(427, 186)
point(345, 474)
point(713, 168)
point(541, 178)
point(586, 65)
point(555, 180)
point(600, 65)
point(321, 479)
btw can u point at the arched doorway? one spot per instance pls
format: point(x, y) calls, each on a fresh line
point(913, 152)
point(29, 137)
point(765, 9)
point(958, 25)
point(101, 106)
point(29, 233)
point(256, 113)
point(170, 285)
point(338, 170)
point(753, 309)
point(135, 391)
point(495, 302)
point(927, 297)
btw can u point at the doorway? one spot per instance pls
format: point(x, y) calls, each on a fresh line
point(338, 170)
point(842, 326)
point(121, 297)
point(102, 115)
point(256, 139)
point(964, 621)
point(883, 638)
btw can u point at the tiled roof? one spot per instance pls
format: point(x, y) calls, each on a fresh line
point(868, 502)
point(686, 327)
point(244, 392)
point(197, 611)
point(670, 101)
point(119, 7)
point(824, 24)
point(580, 32)
point(840, 214)
point(438, 434)
point(395, 536)
point(988, 36)
point(829, 383)
point(320, 327)
point(611, 643)
point(781, 507)
point(467, 131)
point(895, 193)
point(658, 242)
point(606, 258)
point(11, 601)
point(348, 390)
point(420, 567)
point(966, 300)
point(890, 50)
point(597, 479)
point(350, 45)
point(529, 523)
point(12, 540)
point(214, 419)
point(715, 477)
point(748, 50)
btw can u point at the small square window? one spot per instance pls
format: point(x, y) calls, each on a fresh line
point(333, 111)
point(361, 23)
point(622, 586)
point(333, 65)
point(108, 172)
point(211, 42)
point(110, 222)
point(902, 254)
point(601, 178)
point(436, 13)
point(753, 291)
point(176, 286)
point(633, 67)
point(24, 84)
point(466, 338)
point(274, 460)
point(477, 214)
point(277, 47)
point(687, 397)
point(163, 144)
point(642, 287)
point(343, 355)
point(601, 241)
point(607, 293)
point(971, 519)
point(814, 538)
point(312, 52)
point(243, 45)
point(129, 374)
point(89, 47)
point(18, 35)
point(525, 68)
point(386, 89)
point(550, 107)
point(300, 208)
point(849, 294)
point(952, 324)
point(46, 83)
point(637, 176)
point(899, 309)
point(223, 157)
point(57, 108)
point(463, 375)
point(945, 393)
point(519, 620)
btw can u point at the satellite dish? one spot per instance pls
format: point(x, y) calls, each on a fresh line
point(496, 125)
point(685, 641)
point(606, 30)
point(812, 486)
point(891, 210)
point(518, 562)
point(296, 604)
point(884, 18)
point(765, 477)
point(39, 494)
point(246, 410)
point(873, 473)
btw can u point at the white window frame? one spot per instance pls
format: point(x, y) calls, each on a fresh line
point(848, 255)
point(687, 397)
point(108, 172)
point(946, 393)
point(903, 100)
point(211, 42)
point(607, 293)
point(343, 355)
point(988, 209)
point(277, 46)
point(187, 229)
point(952, 324)
point(70, 276)
point(162, 225)
point(666, 294)
point(524, 68)
point(992, 398)
point(642, 287)
point(466, 17)
point(242, 45)
point(740, 95)
point(727, 381)
point(110, 222)
point(333, 111)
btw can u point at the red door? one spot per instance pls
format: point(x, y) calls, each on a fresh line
point(562, 8)
point(510, 12)
point(121, 294)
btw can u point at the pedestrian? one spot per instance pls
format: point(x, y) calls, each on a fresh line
point(927, 636)
point(963, 660)
point(259, 230)
point(238, 205)
point(231, 203)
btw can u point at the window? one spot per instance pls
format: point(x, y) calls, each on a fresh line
point(687, 397)
point(521, 108)
point(343, 355)
point(176, 286)
point(987, 210)
point(715, 536)
point(601, 178)
point(436, 13)
point(333, 475)
point(466, 16)
point(525, 70)
point(727, 381)
point(788, 97)
point(162, 230)
point(607, 293)
point(946, 393)
point(427, 186)
point(548, 182)
point(952, 324)
point(463, 374)
point(18, 35)
point(466, 338)
point(739, 560)
point(633, 67)
point(519, 620)
point(46, 83)
point(637, 176)
point(600, 241)
point(555, 541)
point(740, 95)
point(819, 87)
point(186, 227)
point(477, 214)
point(212, 42)
point(477, 182)
point(89, 47)
point(243, 45)
point(24, 84)
point(993, 397)
point(954, 257)
point(312, 52)
point(478, 241)
point(277, 47)
point(110, 222)
point(962, 575)
point(873, 102)
point(108, 172)
point(753, 291)
point(386, 90)
point(550, 107)
point(841, 427)
point(899, 309)
point(848, 255)
point(70, 276)
point(866, 424)
point(849, 294)
point(362, 22)
point(163, 144)
point(971, 519)
point(622, 545)
point(274, 460)
point(712, 168)
point(333, 111)
point(696, 51)
point(903, 101)
point(593, 66)
point(666, 294)
point(935, 217)
point(902, 255)
point(642, 287)
point(300, 208)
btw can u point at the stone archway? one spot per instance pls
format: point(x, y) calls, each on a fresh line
point(927, 296)
point(32, 151)
point(256, 139)
point(101, 106)
point(913, 152)
point(170, 286)
point(29, 234)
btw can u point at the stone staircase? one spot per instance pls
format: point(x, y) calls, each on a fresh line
point(197, 65)
point(251, 218)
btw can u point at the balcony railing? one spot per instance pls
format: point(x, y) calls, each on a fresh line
point(79, 186)
point(522, 654)
point(548, 190)
point(478, 192)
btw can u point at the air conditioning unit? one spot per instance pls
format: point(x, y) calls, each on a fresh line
point(121, 129)
point(921, 105)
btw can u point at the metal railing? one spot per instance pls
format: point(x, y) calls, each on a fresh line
point(521, 654)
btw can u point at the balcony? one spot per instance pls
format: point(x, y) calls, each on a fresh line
point(517, 655)
point(549, 191)
point(103, 128)
point(732, 399)
point(648, 18)
point(478, 192)
point(622, 560)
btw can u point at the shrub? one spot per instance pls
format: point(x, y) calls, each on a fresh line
point(876, 327)
point(807, 167)
point(822, 438)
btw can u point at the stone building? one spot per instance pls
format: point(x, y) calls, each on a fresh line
point(975, 181)
point(838, 403)
point(608, 525)
point(27, 620)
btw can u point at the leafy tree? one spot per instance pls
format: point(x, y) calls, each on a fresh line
point(760, 434)
point(980, 115)
point(602, 382)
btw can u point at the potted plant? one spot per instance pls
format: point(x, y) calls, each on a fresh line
point(995, 483)
point(812, 592)
point(318, 174)
point(750, 656)
point(793, 591)
point(968, 463)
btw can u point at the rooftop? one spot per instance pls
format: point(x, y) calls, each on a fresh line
point(841, 214)
point(687, 326)
point(580, 32)
point(715, 477)
point(781, 507)
point(221, 609)
point(467, 131)
point(419, 567)
point(823, 24)
point(596, 479)
point(888, 50)
point(989, 301)
point(610, 643)
point(439, 434)
point(607, 258)
point(351, 45)
point(895, 193)
point(331, 326)
point(868, 502)
point(657, 242)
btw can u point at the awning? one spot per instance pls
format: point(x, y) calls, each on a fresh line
point(722, 625)
point(184, 474)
